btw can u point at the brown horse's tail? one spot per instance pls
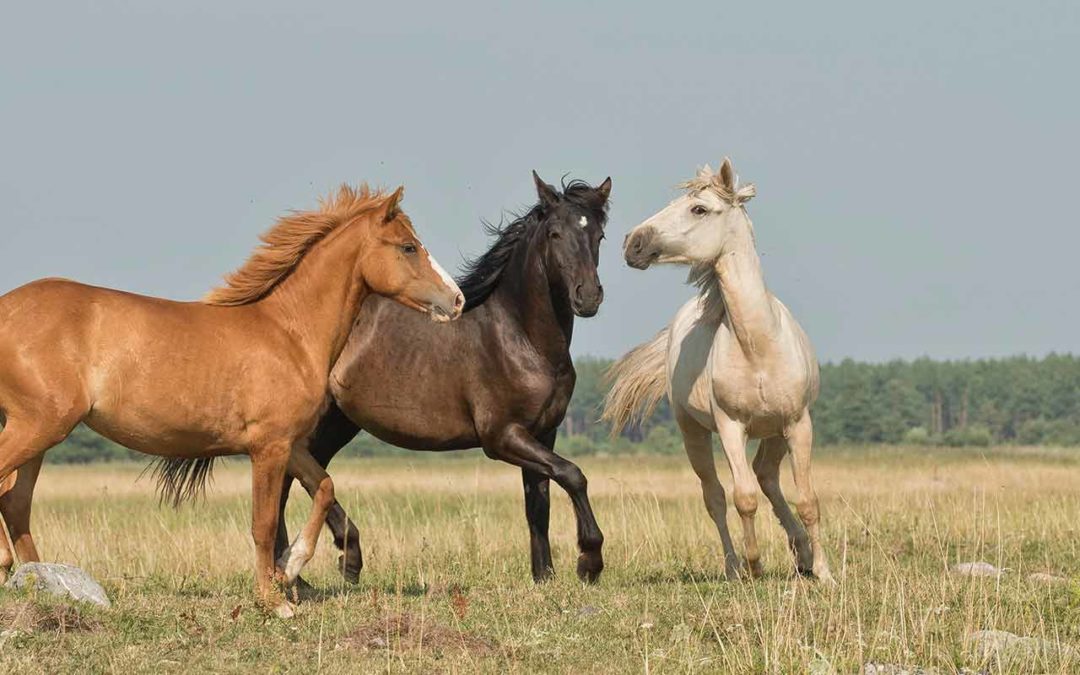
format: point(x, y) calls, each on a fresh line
point(180, 480)
point(638, 381)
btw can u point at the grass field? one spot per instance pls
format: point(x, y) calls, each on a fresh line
point(446, 585)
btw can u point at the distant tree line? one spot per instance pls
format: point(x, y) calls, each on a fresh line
point(1020, 400)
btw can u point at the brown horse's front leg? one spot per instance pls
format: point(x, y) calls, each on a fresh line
point(267, 476)
point(518, 447)
point(537, 513)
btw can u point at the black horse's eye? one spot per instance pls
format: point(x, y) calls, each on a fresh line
point(698, 210)
point(408, 249)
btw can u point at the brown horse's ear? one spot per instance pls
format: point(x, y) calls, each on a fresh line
point(605, 188)
point(727, 175)
point(548, 195)
point(393, 202)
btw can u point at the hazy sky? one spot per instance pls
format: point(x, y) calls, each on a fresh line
point(916, 162)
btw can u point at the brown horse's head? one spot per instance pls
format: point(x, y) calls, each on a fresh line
point(574, 226)
point(398, 266)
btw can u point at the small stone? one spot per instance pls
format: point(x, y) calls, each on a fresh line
point(896, 669)
point(588, 610)
point(61, 580)
point(1044, 578)
point(977, 569)
point(377, 643)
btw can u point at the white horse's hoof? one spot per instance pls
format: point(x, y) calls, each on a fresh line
point(286, 610)
point(292, 560)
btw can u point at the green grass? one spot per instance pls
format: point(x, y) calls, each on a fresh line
point(446, 548)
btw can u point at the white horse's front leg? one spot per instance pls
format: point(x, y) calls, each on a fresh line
point(733, 436)
point(800, 439)
point(698, 443)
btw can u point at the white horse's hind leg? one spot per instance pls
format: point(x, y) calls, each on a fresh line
point(767, 468)
point(733, 436)
point(801, 440)
point(698, 443)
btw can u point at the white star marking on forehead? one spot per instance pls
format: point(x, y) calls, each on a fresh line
point(583, 222)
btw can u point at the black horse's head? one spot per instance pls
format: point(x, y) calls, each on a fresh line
point(572, 225)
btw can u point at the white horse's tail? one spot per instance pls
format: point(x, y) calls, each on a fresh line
point(638, 381)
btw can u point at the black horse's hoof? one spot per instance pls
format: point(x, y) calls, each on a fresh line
point(589, 567)
point(543, 576)
point(350, 571)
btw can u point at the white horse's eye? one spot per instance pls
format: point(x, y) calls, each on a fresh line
point(583, 222)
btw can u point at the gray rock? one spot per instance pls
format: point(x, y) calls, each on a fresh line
point(977, 569)
point(61, 580)
point(588, 610)
point(1006, 648)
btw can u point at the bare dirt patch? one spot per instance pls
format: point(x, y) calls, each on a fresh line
point(31, 617)
point(408, 632)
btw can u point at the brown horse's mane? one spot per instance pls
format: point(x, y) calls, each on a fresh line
point(285, 245)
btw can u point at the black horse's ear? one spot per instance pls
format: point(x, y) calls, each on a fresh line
point(605, 188)
point(548, 195)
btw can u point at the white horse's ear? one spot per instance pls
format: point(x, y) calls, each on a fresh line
point(727, 175)
point(705, 172)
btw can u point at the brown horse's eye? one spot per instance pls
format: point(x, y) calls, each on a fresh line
point(408, 249)
point(698, 210)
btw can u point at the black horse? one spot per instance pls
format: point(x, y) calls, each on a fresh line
point(499, 378)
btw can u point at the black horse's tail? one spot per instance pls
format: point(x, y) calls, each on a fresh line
point(180, 480)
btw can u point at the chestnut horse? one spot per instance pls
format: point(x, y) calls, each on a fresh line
point(242, 372)
point(499, 378)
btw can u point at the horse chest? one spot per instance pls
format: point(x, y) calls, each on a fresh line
point(764, 394)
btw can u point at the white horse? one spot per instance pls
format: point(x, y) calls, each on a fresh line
point(733, 362)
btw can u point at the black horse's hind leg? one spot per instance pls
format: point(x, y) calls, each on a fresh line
point(334, 431)
point(518, 447)
point(537, 513)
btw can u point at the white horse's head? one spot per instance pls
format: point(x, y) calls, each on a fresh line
point(698, 226)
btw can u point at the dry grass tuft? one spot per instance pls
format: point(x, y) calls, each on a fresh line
point(404, 632)
point(28, 616)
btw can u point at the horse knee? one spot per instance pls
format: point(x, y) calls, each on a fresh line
point(324, 494)
point(571, 478)
point(808, 510)
point(746, 502)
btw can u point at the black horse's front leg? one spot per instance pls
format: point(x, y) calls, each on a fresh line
point(537, 512)
point(515, 445)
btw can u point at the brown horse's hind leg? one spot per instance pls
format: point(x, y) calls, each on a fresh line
point(767, 469)
point(518, 447)
point(321, 488)
point(15, 506)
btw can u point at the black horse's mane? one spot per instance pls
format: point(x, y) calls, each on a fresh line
point(480, 276)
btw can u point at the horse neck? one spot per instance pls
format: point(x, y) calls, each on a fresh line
point(526, 292)
point(747, 302)
point(318, 302)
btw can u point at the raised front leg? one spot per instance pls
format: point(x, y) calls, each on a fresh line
point(321, 488)
point(335, 430)
point(698, 444)
point(538, 513)
point(515, 445)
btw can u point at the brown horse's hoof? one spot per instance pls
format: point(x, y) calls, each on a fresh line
point(589, 567)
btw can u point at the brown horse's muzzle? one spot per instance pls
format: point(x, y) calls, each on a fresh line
point(639, 249)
